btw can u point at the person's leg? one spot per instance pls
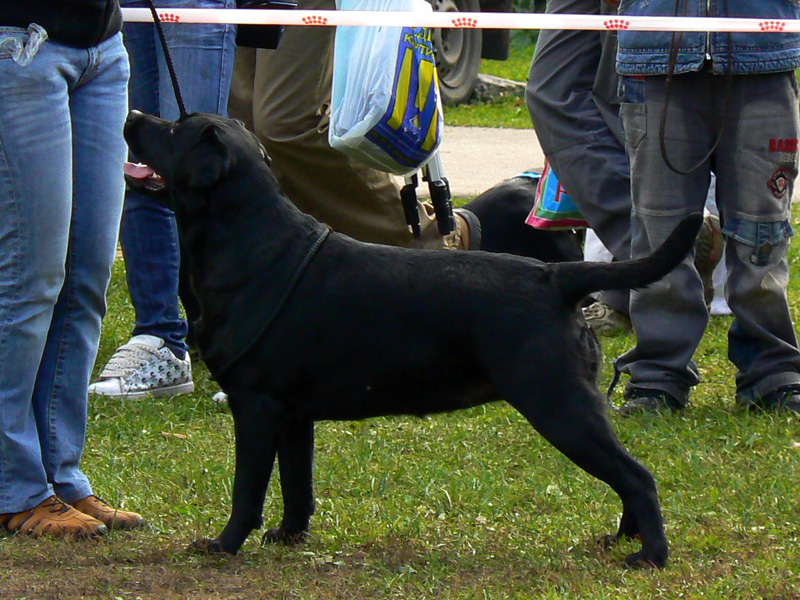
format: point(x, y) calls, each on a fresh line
point(148, 235)
point(58, 242)
point(202, 56)
point(577, 124)
point(669, 317)
point(98, 106)
point(35, 209)
point(756, 168)
point(154, 360)
point(240, 99)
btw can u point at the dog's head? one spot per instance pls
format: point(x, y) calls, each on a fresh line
point(192, 154)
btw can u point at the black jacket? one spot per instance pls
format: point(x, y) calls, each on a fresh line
point(79, 23)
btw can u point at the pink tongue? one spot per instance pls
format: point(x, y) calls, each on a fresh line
point(138, 170)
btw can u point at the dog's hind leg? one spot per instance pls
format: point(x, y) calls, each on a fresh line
point(295, 461)
point(577, 426)
point(257, 424)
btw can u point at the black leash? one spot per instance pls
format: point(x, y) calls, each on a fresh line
point(674, 48)
point(170, 67)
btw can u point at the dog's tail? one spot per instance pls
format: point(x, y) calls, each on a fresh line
point(576, 280)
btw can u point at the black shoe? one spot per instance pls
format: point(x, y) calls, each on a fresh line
point(786, 397)
point(643, 400)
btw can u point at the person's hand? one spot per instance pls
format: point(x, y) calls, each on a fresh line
point(614, 3)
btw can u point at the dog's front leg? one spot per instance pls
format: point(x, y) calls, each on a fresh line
point(295, 461)
point(257, 426)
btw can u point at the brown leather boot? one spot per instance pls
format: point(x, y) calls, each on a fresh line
point(54, 518)
point(111, 517)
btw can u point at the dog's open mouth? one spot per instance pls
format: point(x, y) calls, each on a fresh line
point(141, 177)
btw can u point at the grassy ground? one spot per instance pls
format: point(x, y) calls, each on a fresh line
point(502, 112)
point(468, 505)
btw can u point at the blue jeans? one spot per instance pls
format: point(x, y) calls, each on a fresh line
point(61, 192)
point(203, 59)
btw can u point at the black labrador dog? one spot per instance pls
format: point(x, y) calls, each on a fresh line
point(301, 324)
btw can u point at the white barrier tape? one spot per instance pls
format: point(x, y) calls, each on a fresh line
point(459, 20)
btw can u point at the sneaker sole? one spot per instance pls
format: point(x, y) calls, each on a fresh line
point(174, 390)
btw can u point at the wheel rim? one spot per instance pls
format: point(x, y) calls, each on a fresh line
point(451, 62)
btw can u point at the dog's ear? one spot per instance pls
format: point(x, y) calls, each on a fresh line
point(205, 163)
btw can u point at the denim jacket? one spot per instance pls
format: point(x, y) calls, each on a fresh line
point(647, 52)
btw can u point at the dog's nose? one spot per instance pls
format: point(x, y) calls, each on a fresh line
point(130, 124)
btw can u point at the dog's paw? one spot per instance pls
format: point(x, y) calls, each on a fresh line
point(206, 546)
point(612, 539)
point(641, 560)
point(278, 535)
point(608, 541)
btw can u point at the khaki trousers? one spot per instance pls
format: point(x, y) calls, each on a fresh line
point(284, 96)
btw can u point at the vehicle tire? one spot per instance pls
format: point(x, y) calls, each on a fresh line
point(458, 53)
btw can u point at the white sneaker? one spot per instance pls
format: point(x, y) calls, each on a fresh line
point(144, 367)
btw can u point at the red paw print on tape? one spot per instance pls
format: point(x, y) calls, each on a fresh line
point(772, 25)
point(169, 17)
point(464, 22)
point(616, 24)
point(315, 20)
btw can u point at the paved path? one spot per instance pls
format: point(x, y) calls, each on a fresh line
point(476, 158)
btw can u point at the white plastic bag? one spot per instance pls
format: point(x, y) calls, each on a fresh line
point(385, 107)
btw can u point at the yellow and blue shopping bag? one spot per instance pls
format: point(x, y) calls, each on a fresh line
point(385, 106)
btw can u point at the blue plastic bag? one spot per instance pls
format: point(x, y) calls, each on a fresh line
point(385, 106)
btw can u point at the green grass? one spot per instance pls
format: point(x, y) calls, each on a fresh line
point(518, 62)
point(506, 111)
point(467, 505)
point(502, 112)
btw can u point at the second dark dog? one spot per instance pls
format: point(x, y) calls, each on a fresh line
point(501, 212)
point(300, 324)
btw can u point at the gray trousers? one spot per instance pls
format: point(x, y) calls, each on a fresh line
point(572, 99)
point(756, 163)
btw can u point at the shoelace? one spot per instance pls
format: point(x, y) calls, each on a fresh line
point(128, 358)
point(100, 503)
point(57, 506)
point(54, 505)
